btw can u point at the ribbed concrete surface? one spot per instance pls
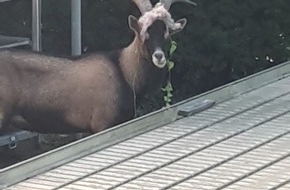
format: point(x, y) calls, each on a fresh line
point(240, 144)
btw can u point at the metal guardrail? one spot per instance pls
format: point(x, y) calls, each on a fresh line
point(36, 41)
point(36, 26)
point(12, 138)
point(10, 42)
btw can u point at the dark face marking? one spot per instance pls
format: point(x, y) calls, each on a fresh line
point(156, 43)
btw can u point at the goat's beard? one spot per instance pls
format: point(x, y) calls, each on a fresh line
point(159, 63)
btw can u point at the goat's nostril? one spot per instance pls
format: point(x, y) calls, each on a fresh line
point(159, 55)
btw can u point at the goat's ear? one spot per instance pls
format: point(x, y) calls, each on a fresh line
point(182, 23)
point(133, 24)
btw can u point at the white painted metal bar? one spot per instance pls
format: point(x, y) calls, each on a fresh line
point(76, 28)
point(10, 42)
point(36, 26)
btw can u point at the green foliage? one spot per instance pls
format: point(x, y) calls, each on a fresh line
point(229, 39)
point(168, 89)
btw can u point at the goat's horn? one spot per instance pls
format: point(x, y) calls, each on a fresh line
point(143, 5)
point(167, 3)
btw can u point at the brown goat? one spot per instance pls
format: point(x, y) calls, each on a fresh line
point(97, 91)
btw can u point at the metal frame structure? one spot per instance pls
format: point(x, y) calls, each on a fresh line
point(36, 25)
point(12, 138)
point(36, 29)
point(76, 28)
point(10, 42)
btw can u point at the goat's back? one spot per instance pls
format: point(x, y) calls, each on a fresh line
point(54, 94)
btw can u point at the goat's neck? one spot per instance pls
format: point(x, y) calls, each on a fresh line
point(137, 68)
point(132, 63)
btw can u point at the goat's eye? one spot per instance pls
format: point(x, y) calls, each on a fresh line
point(147, 36)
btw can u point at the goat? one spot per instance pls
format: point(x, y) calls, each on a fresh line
point(57, 95)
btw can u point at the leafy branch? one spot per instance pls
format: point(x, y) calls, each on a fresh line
point(168, 89)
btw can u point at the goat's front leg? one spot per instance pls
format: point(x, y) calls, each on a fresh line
point(100, 121)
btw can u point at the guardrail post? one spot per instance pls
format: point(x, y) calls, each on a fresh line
point(76, 28)
point(36, 25)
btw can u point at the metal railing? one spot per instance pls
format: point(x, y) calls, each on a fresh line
point(36, 29)
point(10, 42)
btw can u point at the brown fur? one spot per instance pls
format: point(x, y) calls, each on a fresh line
point(62, 95)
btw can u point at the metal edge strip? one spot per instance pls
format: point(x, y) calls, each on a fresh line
point(242, 86)
point(17, 136)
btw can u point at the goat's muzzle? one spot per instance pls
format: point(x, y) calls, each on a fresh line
point(158, 58)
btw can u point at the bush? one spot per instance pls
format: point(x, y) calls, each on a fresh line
point(229, 39)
